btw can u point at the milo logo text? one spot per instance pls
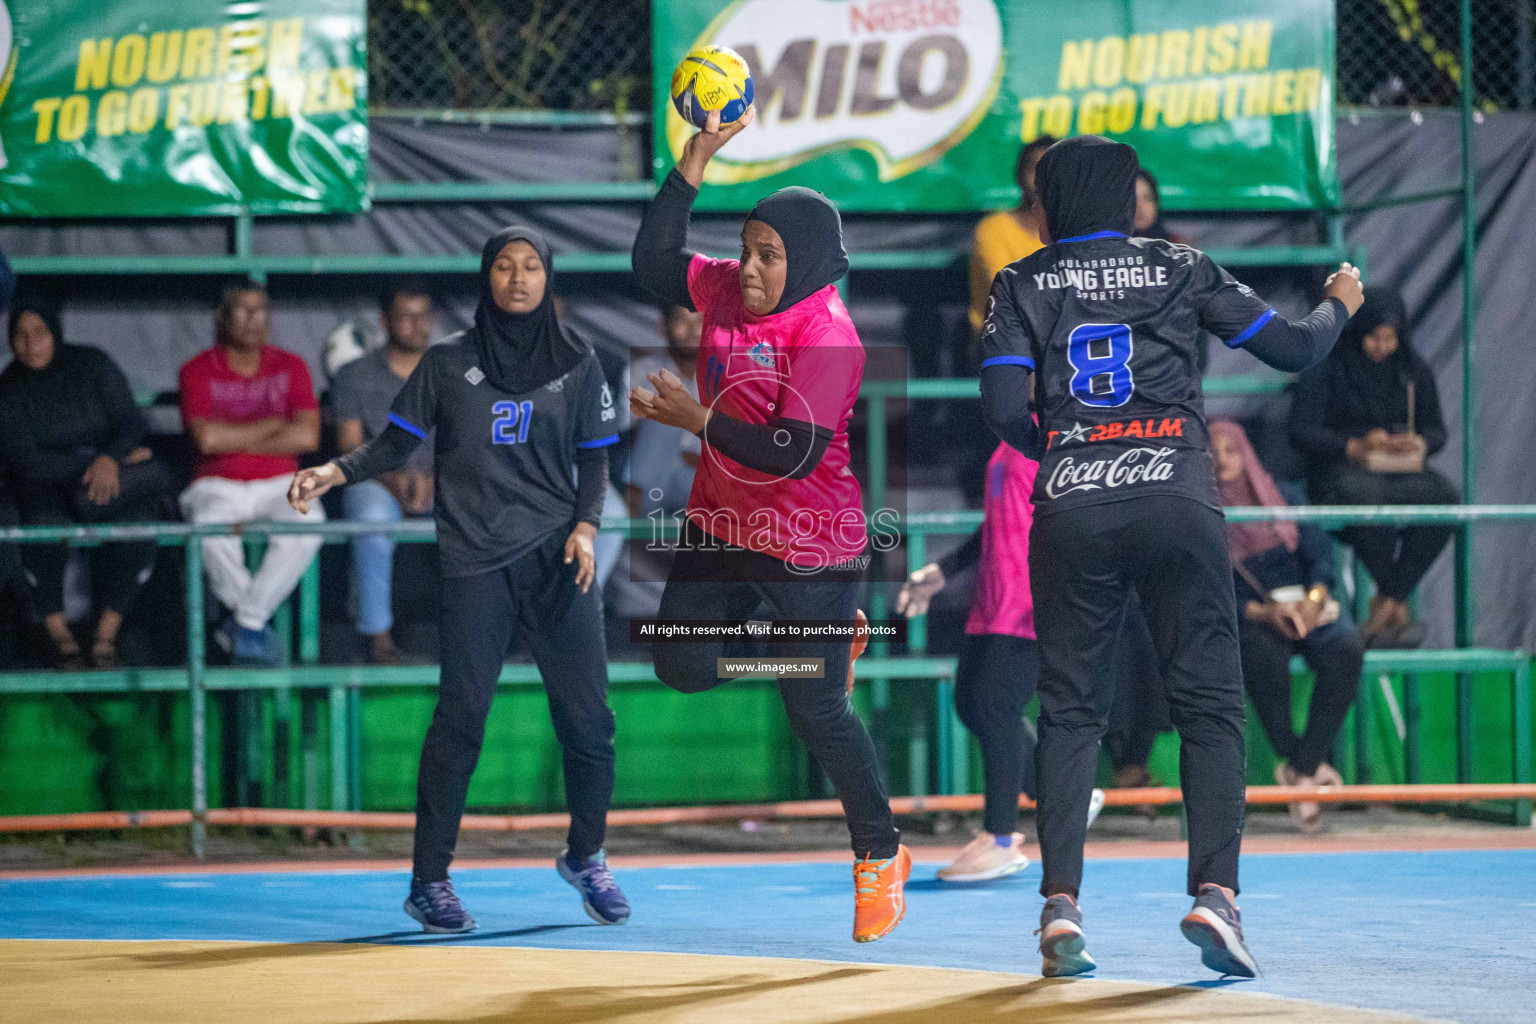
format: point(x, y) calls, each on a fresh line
point(904, 80)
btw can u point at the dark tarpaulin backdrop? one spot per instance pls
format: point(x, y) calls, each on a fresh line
point(1416, 248)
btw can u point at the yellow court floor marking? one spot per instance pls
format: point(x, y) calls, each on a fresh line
point(328, 983)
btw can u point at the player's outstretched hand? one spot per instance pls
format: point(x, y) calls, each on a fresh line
point(578, 548)
point(671, 403)
point(706, 142)
point(309, 484)
point(919, 590)
point(1344, 284)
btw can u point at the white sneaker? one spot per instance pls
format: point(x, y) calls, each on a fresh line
point(1095, 805)
point(983, 860)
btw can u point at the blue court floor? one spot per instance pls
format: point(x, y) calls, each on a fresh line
point(1440, 935)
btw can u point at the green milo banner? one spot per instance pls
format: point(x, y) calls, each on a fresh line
point(923, 104)
point(182, 107)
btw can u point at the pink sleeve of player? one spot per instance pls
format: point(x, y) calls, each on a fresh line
point(825, 372)
point(705, 279)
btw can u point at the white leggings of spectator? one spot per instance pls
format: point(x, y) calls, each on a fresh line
point(252, 599)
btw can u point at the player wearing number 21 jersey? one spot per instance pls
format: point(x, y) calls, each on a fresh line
point(1107, 327)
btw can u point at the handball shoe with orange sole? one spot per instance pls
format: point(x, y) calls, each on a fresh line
point(860, 643)
point(879, 895)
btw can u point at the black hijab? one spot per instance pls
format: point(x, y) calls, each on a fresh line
point(1381, 306)
point(813, 241)
point(521, 351)
point(1087, 184)
point(50, 316)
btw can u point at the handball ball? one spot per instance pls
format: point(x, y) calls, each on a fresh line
point(712, 78)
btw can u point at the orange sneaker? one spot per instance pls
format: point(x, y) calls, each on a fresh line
point(860, 643)
point(879, 895)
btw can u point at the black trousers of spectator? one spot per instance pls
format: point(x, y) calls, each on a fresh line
point(1397, 556)
point(1081, 563)
point(713, 581)
point(535, 598)
point(121, 568)
point(994, 679)
point(1334, 654)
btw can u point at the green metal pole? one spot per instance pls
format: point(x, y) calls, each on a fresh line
point(1465, 608)
point(1520, 721)
point(196, 663)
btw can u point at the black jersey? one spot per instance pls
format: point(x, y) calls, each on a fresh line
point(505, 477)
point(1110, 326)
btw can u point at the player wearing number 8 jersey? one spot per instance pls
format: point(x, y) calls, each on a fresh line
point(1126, 496)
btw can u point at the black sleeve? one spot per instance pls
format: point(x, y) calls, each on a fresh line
point(128, 427)
point(1309, 428)
point(383, 454)
point(1005, 406)
point(1230, 310)
point(411, 415)
point(660, 257)
point(785, 448)
point(963, 557)
point(1314, 554)
point(1294, 347)
point(1428, 419)
point(1006, 365)
point(591, 478)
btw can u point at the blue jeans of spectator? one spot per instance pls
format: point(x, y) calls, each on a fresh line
point(373, 555)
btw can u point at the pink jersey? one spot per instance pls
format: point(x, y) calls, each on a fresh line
point(1003, 603)
point(805, 363)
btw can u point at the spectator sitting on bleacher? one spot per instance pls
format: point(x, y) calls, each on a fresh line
point(364, 390)
point(1282, 574)
point(251, 411)
point(71, 441)
point(663, 460)
point(1366, 418)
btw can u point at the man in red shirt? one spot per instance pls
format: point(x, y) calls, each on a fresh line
point(250, 410)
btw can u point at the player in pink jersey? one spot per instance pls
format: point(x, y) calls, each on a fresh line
point(775, 522)
point(999, 663)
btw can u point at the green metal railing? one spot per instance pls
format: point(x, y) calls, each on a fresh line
point(342, 684)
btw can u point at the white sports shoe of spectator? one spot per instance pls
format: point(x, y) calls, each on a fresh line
point(983, 859)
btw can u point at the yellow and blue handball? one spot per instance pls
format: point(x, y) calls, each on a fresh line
point(712, 78)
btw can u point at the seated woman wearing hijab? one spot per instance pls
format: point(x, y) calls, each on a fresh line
point(1283, 573)
point(1366, 419)
point(775, 524)
point(515, 403)
point(71, 443)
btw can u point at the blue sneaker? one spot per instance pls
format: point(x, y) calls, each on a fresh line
point(1063, 946)
point(437, 907)
point(600, 894)
point(1216, 926)
point(257, 647)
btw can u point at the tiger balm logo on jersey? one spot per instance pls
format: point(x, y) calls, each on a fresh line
point(1122, 430)
point(1136, 466)
point(903, 80)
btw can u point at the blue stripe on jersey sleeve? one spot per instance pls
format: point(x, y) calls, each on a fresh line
point(408, 426)
point(601, 442)
point(1253, 328)
point(1008, 361)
